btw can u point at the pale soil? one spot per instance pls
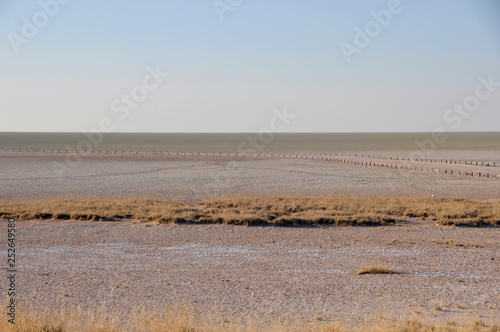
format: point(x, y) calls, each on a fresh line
point(25, 176)
point(233, 271)
point(262, 272)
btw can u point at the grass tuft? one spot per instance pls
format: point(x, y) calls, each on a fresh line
point(374, 269)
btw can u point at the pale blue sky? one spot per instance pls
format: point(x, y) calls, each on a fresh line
point(228, 75)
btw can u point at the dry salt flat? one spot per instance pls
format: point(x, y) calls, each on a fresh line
point(262, 272)
point(266, 273)
point(191, 178)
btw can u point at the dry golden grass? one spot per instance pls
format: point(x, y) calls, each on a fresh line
point(184, 319)
point(374, 269)
point(245, 210)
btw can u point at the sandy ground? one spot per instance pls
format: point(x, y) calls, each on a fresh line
point(266, 272)
point(192, 178)
point(263, 272)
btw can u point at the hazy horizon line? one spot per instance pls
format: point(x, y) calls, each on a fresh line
point(250, 132)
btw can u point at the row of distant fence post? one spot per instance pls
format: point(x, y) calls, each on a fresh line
point(326, 157)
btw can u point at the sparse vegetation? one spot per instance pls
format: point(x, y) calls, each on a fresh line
point(184, 319)
point(374, 269)
point(287, 211)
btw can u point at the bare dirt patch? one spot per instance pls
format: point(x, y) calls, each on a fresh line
point(265, 273)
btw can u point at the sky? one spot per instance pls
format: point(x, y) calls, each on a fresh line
point(233, 65)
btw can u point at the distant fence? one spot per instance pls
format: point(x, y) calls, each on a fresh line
point(341, 158)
